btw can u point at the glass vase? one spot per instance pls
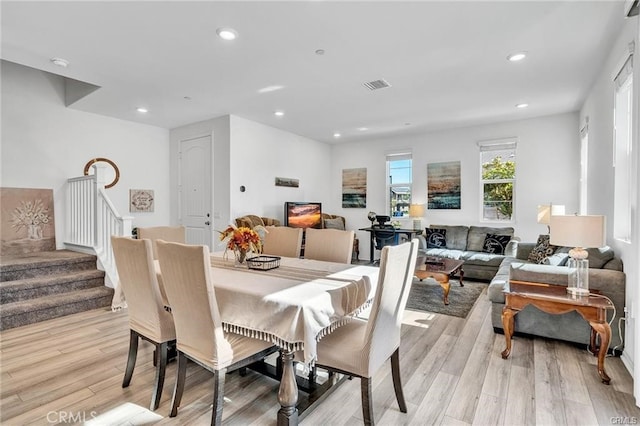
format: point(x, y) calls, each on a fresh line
point(240, 258)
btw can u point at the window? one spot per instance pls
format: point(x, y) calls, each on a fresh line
point(497, 179)
point(399, 185)
point(622, 152)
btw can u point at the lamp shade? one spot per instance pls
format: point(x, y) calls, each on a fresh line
point(547, 210)
point(416, 210)
point(577, 231)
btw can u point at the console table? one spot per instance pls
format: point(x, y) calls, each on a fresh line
point(398, 231)
point(554, 299)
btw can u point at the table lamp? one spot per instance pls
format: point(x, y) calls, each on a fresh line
point(545, 212)
point(416, 211)
point(580, 232)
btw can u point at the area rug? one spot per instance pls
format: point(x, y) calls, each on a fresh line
point(427, 296)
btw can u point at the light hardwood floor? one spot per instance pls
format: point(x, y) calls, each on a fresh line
point(70, 370)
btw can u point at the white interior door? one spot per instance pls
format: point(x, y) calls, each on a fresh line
point(195, 189)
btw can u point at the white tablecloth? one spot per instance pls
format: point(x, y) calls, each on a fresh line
point(294, 305)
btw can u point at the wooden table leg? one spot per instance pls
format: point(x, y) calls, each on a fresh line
point(507, 325)
point(604, 331)
point(461, 277)
point(288, 392)
point(593, 347)
point(446, 286)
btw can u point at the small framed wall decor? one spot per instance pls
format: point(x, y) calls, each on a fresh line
point(290, 182)
point(141, 200)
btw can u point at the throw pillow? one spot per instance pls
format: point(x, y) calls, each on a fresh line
point(436, 238)
point(495, 244)
point(542, 250)
point(556, 259)
point(598, 257)
point(334, 224)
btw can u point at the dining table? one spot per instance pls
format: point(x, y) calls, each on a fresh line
point(292, 306)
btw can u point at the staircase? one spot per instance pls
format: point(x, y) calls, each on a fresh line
point(39, 286)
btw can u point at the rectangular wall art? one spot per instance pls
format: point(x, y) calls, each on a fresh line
point(293, 183)
point(443, 185)
point(354, 188)
point(27, 221)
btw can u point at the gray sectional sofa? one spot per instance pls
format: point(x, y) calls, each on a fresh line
point(605, 275)
point(466, 243)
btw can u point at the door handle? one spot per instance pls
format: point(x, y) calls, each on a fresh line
point(207, 223)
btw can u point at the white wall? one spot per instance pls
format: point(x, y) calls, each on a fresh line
point(44, 143)
point(599, 107)
point(253, 154)
point(260, 153)
point(547, 170)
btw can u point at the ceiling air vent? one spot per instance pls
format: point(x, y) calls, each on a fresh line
point(376, 84)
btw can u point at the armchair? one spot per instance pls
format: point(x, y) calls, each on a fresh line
point(251, 221)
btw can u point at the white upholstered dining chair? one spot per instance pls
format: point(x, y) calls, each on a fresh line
point(175, 234)
point(148, 319)
point(360, 347)
point(186, 274)
point(282, 241)
point(330, 245)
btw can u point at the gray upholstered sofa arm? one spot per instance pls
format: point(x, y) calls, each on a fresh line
point(570, 326)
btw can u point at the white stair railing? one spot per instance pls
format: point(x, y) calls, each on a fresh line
point(91, 221)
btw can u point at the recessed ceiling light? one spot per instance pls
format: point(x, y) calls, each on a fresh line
point(363, 129)
point(270, 88)
point(336, 135)
point(515, 57)
point(522, 105)
point(279, 113)
point(227, 33)
point(59, 62)
point(142, 110)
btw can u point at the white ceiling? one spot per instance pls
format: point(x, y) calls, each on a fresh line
point(446, 61)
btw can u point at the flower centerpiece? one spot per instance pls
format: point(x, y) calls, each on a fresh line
point(242, 241)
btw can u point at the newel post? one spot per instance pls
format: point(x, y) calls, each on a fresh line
point(99, 172)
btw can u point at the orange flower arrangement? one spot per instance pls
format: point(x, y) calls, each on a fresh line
point(241, 240)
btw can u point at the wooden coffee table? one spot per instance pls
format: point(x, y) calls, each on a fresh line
point(440, 269)
point(554, 299)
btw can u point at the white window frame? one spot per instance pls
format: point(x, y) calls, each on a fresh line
point(397, 157)
point(622, 151)
point(497, 145)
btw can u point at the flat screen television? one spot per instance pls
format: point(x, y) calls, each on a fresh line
point(298, 214)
